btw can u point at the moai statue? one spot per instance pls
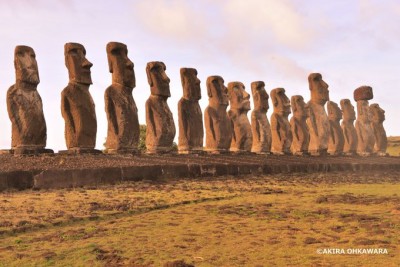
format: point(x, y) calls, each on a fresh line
point(336, 138)
point(216, 121)
point(261, 129)
point(77, 106)
point(365, 133)
point(239, 101)
point(123, 124)
point(160, 130)
point(298, 124)
point(280, 126)
point(377, 119)
point(25, 107)
point(318, 123)
point(190, 117)
point(349, 132)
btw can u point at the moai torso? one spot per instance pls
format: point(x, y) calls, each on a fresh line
point(377, 119)
point(190, 117)
point(260, 127)
point(280, 126)
point(336, 138)
point(122, 115)
point(318, 123)
point(160, 130)
point(301, 136)
point(365, 133)
point(349, 131)
point(216, 121)
point(239, 99)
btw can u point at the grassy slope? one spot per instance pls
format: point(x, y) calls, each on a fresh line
point(393, 145)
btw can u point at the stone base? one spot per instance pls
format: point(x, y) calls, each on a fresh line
point(381, 154)
point(350, 153)
point(239, 152)
point(123, 151)
point(335, 153)
point(261, 152)
point(79, 151)
point(364, 154)
point(216, 151)
point(26, 151)
point(301, 153)
point(281, 153)
point(321, 152)
point(187, 150)
point(159, 150)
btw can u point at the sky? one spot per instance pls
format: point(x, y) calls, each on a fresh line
point(350, 42)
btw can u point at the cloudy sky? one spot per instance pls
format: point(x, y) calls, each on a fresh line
point(350, 42)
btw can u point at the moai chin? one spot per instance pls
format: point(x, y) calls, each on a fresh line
point(336, 138)
point(318, 123)
point(190, 117)
point(280, 126)
point(216, 121)
point(160, 130)
point(298, 124)
point(122, 114)
point(377, 119)
point(24, 106)
point(77, 106)
point(365, 133)
point(349, 132)
point(261, 129)
point(239, 101)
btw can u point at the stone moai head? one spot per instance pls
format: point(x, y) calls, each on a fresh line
point(260, 96)
point(334, 112)
point(299, 108)
point(319, 89)
point(26, 69)
point(217, 92)
point(347, 110)
point(362, 94)
point(280, 101)
point(190, 84)
point(158, 79)
point(238, 98)
point(77, 64)
point(120, 65)
point(377, 114)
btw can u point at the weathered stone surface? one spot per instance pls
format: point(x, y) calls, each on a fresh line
point(160, 130)
point(122, 114)
point(298, 124)
point(280, 126)
point(216, 121)
point(318, 123)
point(363, 93)
point(24, 106)
point(377, 119)
point(190, 117)
point(261, 129)
point(336, 138)
point(349, 132)
point(365, 133)
point(77, 106)
point(239, 101)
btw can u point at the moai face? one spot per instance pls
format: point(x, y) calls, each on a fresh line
point(217, 92)
point(319, 89)
point(334, 112)
point(158, 79)
point(26, 68)
point(238, 97)
point(260, 96)
point(299, 107)
point(120, 65)
point(190, 84)
point(280, 101)
point(377, 113)
point(363, 111)
point(77, 64)
point(349, 113)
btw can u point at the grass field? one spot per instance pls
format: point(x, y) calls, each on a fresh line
point(393, 145)
point(233, 221)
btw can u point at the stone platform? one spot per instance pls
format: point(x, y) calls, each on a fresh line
point(64, 171)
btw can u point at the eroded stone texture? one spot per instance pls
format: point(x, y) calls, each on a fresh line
point(298, 124)
point(318, 123)
point(280, 126)
point(365, 133)
point(377, 119)
point(24, 105)
point(122, 114)
point(336, 138)
point(349, 132)
point(239, 101)
point(261, 129)
point(77, 106)
point(160, 130)
point(216, 121)
point(190, 117)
